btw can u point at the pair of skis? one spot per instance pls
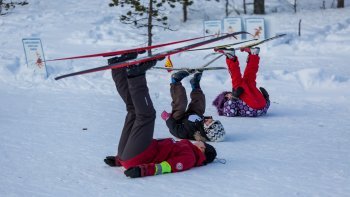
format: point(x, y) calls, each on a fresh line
point(162, 55)
point(157, 56)
point(139, 50)
point(192, 70)
point(204, 67)
point(223, 46)
point(200, 69)
point(260, 42)
point(242, 47)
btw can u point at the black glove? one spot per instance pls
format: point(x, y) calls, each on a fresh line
point(122, 58)
point(150, 63)
point(237, 92)
point(160, 59)
point(141, 52)
point(265, 94)
point(133, 172)
point(110, 160)
point(128, 56)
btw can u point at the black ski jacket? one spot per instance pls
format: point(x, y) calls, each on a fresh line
point(184, 128)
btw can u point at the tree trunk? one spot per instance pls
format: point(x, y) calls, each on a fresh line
point(323, 5)
point(299, 32)
point(184, 9)
point(0, 6)
point(244, 7)
point(149, 27)
point(259, 6)
point(340, 4)
point(295, 6)
point(226, 8)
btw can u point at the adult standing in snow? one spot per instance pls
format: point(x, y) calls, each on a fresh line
point(188, 122)
point(245, 99)
point(138, 152)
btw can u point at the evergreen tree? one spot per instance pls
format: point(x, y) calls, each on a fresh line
point(148, 15)
point(227, 7)
point(5, 5)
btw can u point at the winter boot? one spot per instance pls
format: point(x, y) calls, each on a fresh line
point(178, 76)
point(264, 93)
point(196, 79)
point(122, 58)
point(112, 161)
point(253, 50)
point(140, 69)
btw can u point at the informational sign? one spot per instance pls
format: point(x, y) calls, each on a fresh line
point(212, 27)
point(35, 55)
point(255, 26)
point(233, 25)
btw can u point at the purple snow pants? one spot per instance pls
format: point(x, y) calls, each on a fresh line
point(240, 108)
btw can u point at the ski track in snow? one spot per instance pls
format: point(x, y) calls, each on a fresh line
point(301, 148)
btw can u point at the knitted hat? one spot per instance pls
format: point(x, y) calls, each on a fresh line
point(215, 132)
point(210, 153)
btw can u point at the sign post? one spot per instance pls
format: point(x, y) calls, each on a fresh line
point(212, 27)
point(256, 27)
point(233, 24)
point(34, 53)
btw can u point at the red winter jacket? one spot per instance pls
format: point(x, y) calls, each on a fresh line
point(181, 155)
point(251, 95)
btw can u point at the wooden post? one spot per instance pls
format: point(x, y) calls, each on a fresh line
point(244, 7)
point(184, 10)
point(1, 6)
point(226, 8)
point(149, 27)
point(299, 33)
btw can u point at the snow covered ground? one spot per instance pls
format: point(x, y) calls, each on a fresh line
point(301, 148)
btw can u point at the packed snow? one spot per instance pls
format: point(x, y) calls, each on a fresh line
point(54, 135)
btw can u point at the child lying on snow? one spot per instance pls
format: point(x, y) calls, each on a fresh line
point(138, 152)
point(186, 121)
point(245, 99)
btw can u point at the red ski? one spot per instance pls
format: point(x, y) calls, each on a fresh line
point(140, 49)
point(152, 57)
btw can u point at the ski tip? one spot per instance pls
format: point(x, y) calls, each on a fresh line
point(241, 32)
point(59, 77)
point(281, 35)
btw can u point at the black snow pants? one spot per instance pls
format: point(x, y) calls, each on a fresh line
point(138, 129)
